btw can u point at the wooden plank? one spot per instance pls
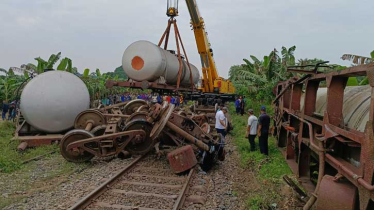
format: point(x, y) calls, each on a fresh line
point(158, 177)
point(144, 194)
point(29, 138)
point(152, 184)
point(38, 157)
point(87, 200)
point(153, 169)
point(117, 206)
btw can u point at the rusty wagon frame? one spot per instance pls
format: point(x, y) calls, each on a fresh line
point(317, 147)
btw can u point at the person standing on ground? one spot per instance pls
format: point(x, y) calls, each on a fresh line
point(221, 122)
point(159, 98)
point(237, 106)
point(5, 110)
point(168, 99)
point(242, 105)
point(181, 101)
point(263, 131)
point(252, 129)
point(154, 99)
point(177, 101)
point(11, 109)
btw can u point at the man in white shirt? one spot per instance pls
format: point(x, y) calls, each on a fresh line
point(252, 129)
point(221, 122)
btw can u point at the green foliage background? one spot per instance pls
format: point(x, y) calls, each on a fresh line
point(257, 78)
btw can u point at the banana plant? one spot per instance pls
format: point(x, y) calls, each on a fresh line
point(359, 60)
point(65, 64)
point(8, 84)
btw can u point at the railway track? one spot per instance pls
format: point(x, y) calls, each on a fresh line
point(142, 185)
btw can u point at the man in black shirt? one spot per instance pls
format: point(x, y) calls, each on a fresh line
point(263, 131)
point(11, 110)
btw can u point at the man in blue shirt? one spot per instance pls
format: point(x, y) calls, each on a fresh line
point(263, 131)
point(159, 99)
point(5, 110)
point(237, 106)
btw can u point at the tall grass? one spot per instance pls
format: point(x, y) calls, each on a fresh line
point(10, 159)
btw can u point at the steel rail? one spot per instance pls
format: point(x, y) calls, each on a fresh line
point(88, 199)
point(182, 196)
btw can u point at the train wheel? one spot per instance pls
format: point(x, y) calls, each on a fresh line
point(159, 126)
point(137, 116)
point(76, 155)
point(91, 115)
point(141, 145)
point(133, 106)
point(143, 108)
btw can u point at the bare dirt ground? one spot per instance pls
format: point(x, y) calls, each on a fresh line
point(52, 183)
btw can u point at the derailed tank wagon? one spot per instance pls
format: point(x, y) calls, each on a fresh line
point(49, 104)
point(111, 131)
point(325, 131)
point(149, 66)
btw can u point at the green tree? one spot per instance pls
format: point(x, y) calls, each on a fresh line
point(118, 73)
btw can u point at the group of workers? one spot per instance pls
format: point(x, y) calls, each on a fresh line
point(255, 126)
point(177, 100)
point(8, 111)
point(258, 127)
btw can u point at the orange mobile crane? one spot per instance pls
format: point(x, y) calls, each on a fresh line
point(211, 81)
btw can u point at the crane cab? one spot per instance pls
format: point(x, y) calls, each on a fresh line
point(172, 8)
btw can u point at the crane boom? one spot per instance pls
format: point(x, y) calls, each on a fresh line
point(203, 47)
point(211, 81)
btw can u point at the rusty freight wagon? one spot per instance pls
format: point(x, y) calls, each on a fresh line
point(325, 131)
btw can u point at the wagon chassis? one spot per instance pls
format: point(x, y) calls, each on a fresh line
point(314, 144)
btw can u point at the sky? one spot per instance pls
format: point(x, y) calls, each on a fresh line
point(95, 33)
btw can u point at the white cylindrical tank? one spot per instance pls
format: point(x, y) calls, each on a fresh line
point(145, 61)
point(51, 101)
point(356, 105)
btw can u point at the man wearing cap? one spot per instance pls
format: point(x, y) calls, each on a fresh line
point(221, 122)
point(263, 131)
point(252, 129)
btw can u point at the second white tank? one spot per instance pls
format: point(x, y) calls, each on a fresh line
point(145, 61)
